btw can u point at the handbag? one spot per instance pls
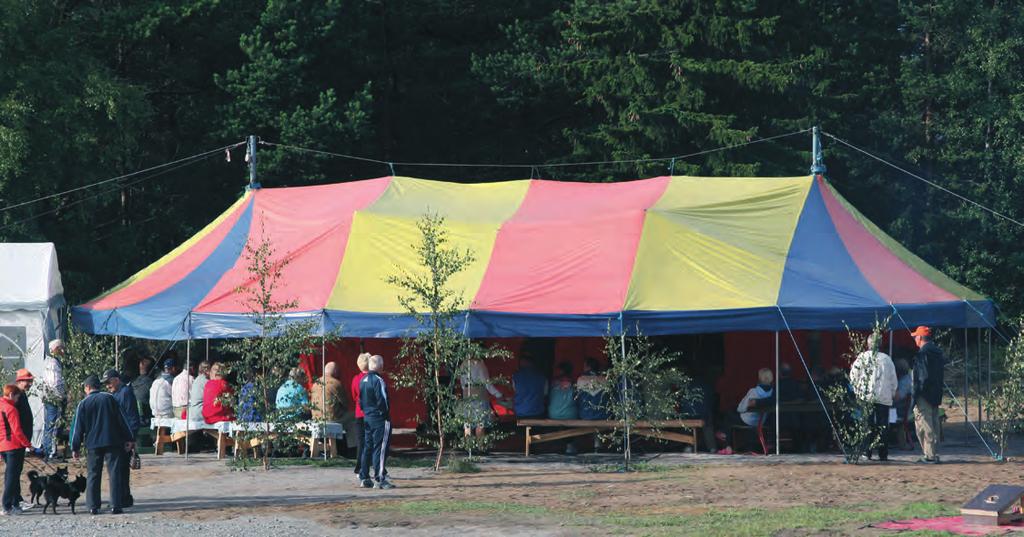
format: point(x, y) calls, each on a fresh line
point(135, 462)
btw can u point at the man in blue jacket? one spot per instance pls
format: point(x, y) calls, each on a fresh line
point(929, 380)
point(373, 398)
point(130, 408)
point(101, 427)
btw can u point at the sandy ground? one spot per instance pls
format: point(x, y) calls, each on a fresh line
point(543, 495)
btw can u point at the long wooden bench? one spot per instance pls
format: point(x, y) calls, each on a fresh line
point(571, 428)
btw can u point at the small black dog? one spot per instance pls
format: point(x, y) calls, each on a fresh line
point(57, 487)
point(37, 483)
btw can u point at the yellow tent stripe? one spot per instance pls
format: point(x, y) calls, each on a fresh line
point(716, 243)
point(384, 237)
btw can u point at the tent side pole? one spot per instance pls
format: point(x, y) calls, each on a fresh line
point(117, 352)
point(967, 401)
point(188, 368)
point(778, 388)
point(989, 360)
point(323, 391)
point(980, 397)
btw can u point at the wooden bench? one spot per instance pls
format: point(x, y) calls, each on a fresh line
point(571, 428)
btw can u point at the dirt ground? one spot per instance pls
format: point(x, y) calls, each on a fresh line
point(678, 494)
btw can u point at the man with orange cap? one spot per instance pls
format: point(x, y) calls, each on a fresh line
point(928, 383)
point(23, 379)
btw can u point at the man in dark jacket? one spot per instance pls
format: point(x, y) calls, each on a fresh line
point(101, 426)
point(928, 383)
point(125, 397)
point(373, 398)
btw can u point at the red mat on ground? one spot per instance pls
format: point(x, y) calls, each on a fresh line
point(952, 524)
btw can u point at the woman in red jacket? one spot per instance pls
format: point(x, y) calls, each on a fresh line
point(12, 448)
point(216, 407)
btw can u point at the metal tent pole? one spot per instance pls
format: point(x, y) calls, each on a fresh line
point(967, 401)
point(989, 360)
point(323, 391)
point(188, 367)
point(980, 397)
point(778, 388)
point(117, 352)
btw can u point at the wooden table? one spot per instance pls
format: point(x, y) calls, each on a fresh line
point(571, 428)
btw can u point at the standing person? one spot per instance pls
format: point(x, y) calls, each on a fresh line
point(160, 392)
point(101, 427)
point(55, 397)
point(903, 401)
point(125, 397)
point(23, 379)
point(362, 362)
point(873, 377)
point(141, 386)
point(13, 442)
point(195, 396)
point(373, 396)
point(180, 389)
point(929, 367)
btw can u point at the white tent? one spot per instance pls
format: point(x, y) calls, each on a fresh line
point(31, 300)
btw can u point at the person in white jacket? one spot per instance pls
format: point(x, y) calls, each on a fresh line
point(160, 391)
point(873, 377)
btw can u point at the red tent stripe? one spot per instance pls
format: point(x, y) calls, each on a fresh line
point(893, 279)
point(569, 248)
point(315, 238)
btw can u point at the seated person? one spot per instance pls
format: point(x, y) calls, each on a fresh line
point(531, 388)
point(475, 407)
point(195, 396)
point(562, 396)
point(217, 396)
point(292, 399)
point(751, 401)
point(328, 396)
point(592, 392)
point(160, 391)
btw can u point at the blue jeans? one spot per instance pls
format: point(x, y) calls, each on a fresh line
point(376, 437)
point(13, 461)
point(52, 414)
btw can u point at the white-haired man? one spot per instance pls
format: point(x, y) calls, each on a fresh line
point(373, 398)
point(873, 377)
point(55, 397)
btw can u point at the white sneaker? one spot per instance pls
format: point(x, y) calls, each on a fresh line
point(25, 506)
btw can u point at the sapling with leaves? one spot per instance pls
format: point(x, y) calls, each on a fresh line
point(1005, 403)
point(644, 385)
point(437, 361)
point(860, 401)
point(265, 361)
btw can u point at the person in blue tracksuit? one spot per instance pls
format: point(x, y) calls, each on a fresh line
point(373, 398)
point(101, 427)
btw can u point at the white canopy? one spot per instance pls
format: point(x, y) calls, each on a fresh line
point(29, 277)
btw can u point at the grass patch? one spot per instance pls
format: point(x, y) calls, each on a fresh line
point(441, 507)
point(765, 522)
point(458, 465)
point(339, 462)
point(639, 467)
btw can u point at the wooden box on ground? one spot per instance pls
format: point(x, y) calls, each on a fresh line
point(994, 506)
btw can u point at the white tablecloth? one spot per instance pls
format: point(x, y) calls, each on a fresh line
point(315, 428)
point(177, 425)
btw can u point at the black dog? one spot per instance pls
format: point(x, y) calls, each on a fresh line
point(62, 489)
point(37, 483)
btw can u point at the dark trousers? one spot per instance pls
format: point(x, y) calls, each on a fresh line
point(878, 420)
point(126, 480)
point(112, 456)
point(14, 461)
point(360, 431)
point(376, 438)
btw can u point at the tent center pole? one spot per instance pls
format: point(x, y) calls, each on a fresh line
point(117, 352)
point(979, 376)
point(967, 401)
point(323, 391)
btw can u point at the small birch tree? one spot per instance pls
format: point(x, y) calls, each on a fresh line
point(644, 385)
point(1005, 404)
point(850, 400)
point(433, 360)
point(265, 360)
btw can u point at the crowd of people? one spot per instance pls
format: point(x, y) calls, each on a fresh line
point(113, 410)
